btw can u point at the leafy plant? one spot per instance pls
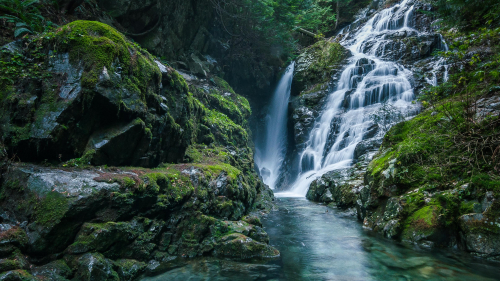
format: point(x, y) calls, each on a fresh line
point(24, 14)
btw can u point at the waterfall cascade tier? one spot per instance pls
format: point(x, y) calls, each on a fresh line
point(271, 148)
point(368, 83)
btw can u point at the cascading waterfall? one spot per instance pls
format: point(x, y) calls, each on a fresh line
point(365, 84)
point(440, 64)
point(271, 152)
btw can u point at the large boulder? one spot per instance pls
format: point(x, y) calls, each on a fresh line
point(480, 232)
point(102, 100)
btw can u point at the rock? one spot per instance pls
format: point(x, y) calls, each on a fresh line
point(125, 110)
point(367, 146)
point(108, 145)
point(65, 200)
point(480, 235)
point(129, 270)
point(11, 238)
point(316, 65)
point(56, 270)
point(423, 227)
point(101, 237)
point(16, 275)
point(317, 189)
point(265, 173)
point(94, 266)
point(15, 261)
point(239, 246)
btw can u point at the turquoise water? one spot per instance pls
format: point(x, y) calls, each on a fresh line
point(320, 245)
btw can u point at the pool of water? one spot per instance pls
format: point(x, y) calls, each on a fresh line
point(318, 243)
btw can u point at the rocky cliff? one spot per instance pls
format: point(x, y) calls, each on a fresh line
point(83, 99)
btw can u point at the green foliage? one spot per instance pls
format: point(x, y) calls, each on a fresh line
point(82, 161)
point(25, 15)
point(261, 27)
point(469, 14)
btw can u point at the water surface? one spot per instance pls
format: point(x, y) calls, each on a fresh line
point(320, 245)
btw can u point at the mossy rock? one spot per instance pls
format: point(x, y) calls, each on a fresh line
point(239, 246)
point(94, 266)
point(57, 270)
point(316, 65)
point(129, 270)
point(424, 225)
point(17, 275)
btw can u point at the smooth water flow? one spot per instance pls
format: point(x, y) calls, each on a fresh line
point(320, 245)
point(270, 153)
point(365, 84)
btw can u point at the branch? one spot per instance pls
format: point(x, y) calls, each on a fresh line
point(306, 32)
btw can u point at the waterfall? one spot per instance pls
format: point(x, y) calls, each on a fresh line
point(270, 152)
point(440, 65)
point(364, 85)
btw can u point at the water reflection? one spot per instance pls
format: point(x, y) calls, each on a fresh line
point(320, 245)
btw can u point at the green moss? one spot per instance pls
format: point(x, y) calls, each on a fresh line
point(85, 160)
point(215, 170)
point(99, 46)
point(221, 83)
point(128, 182)
point(171, 187)
point(467, 207)
point(325, 57)
point(225, 129)
point(177, 81)
point(381, 162)
point(424, 219)
point(51, 208)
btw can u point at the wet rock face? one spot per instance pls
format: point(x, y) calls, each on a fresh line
point(122, 108)
point(107, 225)
point(339, 188)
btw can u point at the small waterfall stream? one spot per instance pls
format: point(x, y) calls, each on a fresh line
point(365, 84)
point(270, 152)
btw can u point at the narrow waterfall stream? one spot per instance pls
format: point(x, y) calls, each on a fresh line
point(365, 84)
point(271, 148)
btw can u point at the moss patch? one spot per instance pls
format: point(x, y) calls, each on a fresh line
point(51, 209)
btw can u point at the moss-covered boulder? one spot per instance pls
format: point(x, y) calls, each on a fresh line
point(92, 95)
point(57, 270)
point(480, 232)
point(132, 214)
point(316, 65)
point(237, 245)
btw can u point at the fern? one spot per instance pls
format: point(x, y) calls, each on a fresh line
point(25, 14)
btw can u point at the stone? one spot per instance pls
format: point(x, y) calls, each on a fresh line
point(239, 246)
point(480, 236)
point(57, 270)
point(94, 266)
point(16, 275)
point(129, 270)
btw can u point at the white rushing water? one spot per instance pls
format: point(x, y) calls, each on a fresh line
point(366, 83)
point(271, 152)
